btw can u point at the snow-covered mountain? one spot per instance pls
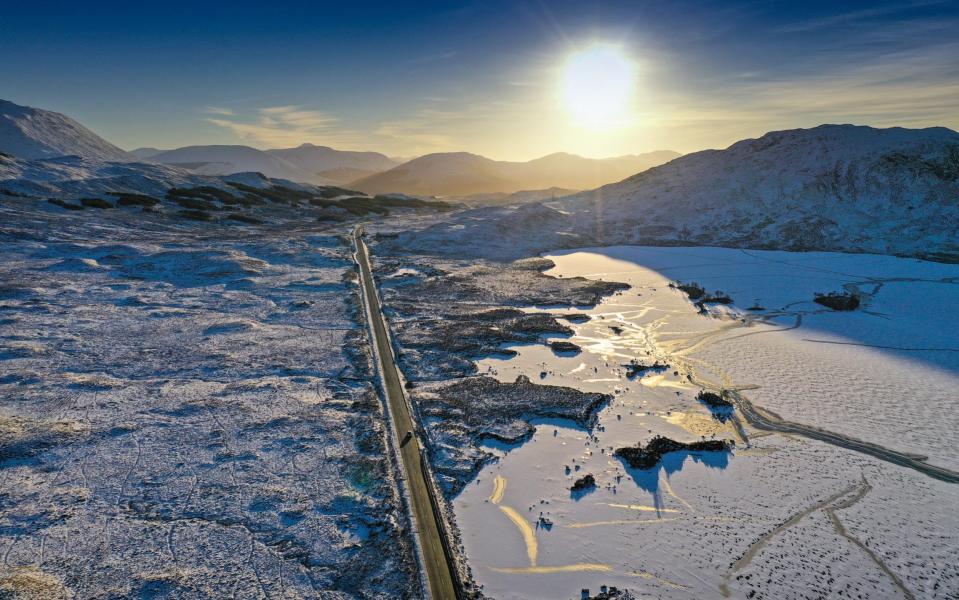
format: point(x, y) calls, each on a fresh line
point(28, 132)
point(464, 174)
point(225, 160)
point(306, 163)
point(342, 166)
point(145, 153)
point(833, 187)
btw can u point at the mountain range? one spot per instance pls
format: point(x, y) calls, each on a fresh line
point(460, 174)
point(306, 163)
point(833, 187)
point(34, 133)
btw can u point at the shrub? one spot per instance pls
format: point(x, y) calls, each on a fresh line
point(197, 215)
point(95, 203)
point(66, 205)
point(135, 199)
point(195, 203)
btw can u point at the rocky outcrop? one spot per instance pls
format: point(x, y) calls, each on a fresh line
point(584, 483)
point(639, 457)
point(838, 301)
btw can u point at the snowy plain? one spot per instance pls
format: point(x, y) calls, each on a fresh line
point(188, 411)
point(778, 517)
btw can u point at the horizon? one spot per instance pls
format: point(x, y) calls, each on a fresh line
point(508, 81)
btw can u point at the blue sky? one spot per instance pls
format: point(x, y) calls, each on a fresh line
point(409, 78)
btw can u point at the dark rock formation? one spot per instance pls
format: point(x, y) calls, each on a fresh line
point(611, 593)
point(565, 348)
point(836, 301)
point(586, 482)
point(691, 289)
point(700, 296)
point(714, 400)
point(638, 457)
point(637, 368)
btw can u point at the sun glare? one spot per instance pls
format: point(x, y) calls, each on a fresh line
point(597, 87)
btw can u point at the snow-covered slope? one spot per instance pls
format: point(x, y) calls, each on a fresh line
point(833, 187)
point(145, 153)
point(337, 165)
point(465, 174)
point(499, 198)
point(69, 177)
point(72, 176)
point(29, 132)
point(225, 160)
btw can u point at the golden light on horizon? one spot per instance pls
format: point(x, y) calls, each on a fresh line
point(597, 87)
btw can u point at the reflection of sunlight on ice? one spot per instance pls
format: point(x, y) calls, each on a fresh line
point(696, 424)
point(643, 507)
point(526, 530)
point(587, 567)
point(660, 380)
point(499, 488)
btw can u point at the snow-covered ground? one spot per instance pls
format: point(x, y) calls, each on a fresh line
point(188, 412)
point(780, 516)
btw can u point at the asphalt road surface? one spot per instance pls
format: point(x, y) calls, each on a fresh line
point(441, 582)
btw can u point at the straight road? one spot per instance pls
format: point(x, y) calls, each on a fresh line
point(437, 564)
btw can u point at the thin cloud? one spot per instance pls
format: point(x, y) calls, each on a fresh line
point(219, 110)
point(854, 16)
point(277, 126)
point(915, 88)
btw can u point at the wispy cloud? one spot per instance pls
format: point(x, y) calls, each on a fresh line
point(219, 110)
point(276, 126)
point(912, 88)
point(445, 124)
point(855, 16)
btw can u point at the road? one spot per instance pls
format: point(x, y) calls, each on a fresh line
point(765, 420)
point(442, 584)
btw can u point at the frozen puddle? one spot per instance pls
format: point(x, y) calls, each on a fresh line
point(779, 515)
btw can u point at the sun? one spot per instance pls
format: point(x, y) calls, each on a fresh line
point(597, 86)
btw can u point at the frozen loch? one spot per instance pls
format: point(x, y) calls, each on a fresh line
point(780, 515)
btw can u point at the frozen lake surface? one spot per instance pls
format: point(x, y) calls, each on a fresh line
point(781, 516)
